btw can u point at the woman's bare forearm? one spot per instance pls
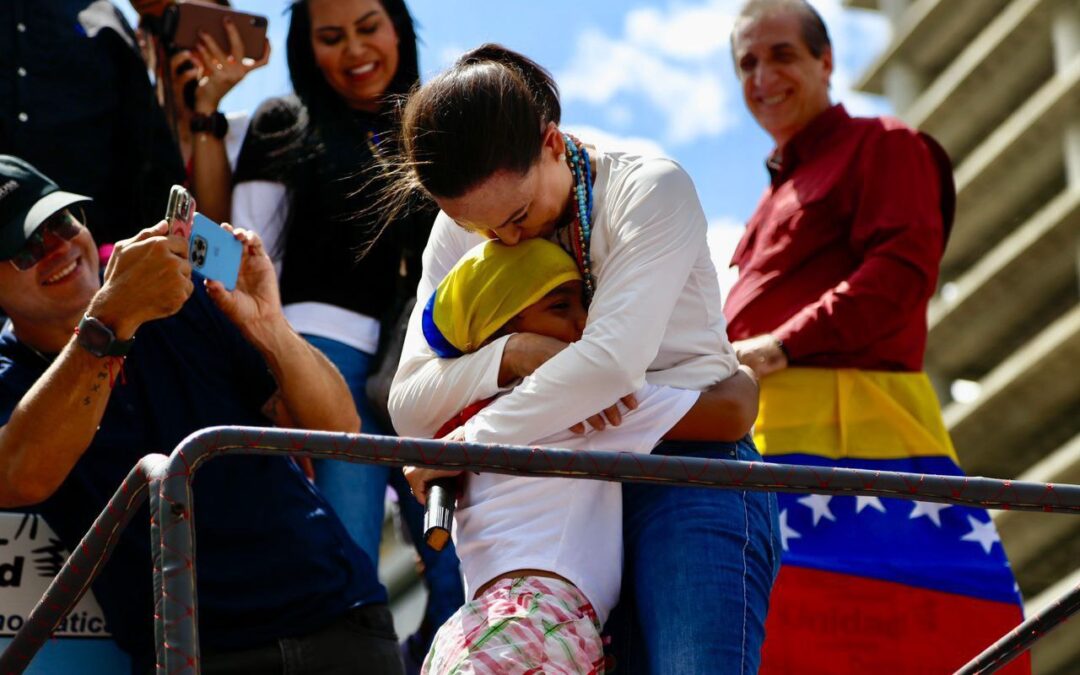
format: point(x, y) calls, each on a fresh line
point(724, 412)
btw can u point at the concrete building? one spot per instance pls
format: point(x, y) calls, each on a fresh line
point(997, 82)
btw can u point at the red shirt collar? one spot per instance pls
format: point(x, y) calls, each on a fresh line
point(804, 144)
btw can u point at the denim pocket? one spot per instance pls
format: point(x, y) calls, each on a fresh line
point(746, 451)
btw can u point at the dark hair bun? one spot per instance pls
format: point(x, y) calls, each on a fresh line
point(486, 114)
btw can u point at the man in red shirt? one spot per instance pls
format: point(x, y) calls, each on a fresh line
point(836, 268)
point(841, 256)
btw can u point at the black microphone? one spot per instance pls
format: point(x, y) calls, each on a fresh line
point(439, 512)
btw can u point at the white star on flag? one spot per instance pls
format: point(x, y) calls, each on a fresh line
point(873, 502)
point(983, 533)
point(931, 510)
point(819, 504)
point(786, 532)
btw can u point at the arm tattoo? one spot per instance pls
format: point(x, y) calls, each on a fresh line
point(95, 387)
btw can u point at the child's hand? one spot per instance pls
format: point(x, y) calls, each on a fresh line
point(611, 414)
point(524, 353)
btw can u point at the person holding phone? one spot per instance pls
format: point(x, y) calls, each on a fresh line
point(98, 370)
point(308, 179)
point(194, 72)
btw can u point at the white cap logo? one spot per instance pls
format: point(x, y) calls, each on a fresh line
point(7, 188)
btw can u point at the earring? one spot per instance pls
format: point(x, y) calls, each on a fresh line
point(562, 156)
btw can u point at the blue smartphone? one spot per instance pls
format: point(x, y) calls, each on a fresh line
point(214, 252)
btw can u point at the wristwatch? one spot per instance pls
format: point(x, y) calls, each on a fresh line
point(215, 123)
point(98, 339)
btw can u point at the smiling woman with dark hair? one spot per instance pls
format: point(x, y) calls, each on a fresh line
point(306, 179)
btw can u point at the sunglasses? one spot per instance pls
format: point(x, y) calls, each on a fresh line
point(62, 224)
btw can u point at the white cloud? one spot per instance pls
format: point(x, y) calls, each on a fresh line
point(620, 116)
point(689, 32)
point(675, 61)
point(723, 236)
point(635, 145)
point(691, 97)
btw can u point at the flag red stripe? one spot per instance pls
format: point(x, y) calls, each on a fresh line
point(824, 622)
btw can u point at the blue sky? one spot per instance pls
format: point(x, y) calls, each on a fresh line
point(649, 74)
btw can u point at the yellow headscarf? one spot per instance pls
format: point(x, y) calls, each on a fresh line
point(488, 287)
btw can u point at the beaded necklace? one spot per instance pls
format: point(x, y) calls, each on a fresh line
point(577, 158)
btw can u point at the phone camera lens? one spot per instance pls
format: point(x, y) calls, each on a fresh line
point(198, 251)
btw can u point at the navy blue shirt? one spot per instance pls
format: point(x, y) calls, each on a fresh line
point(273, 558)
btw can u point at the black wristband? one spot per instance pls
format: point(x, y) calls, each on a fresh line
point(215, 123)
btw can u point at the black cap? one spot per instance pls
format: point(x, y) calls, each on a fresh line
point(27, 199)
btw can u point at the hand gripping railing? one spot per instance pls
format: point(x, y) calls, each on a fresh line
point(172, 535)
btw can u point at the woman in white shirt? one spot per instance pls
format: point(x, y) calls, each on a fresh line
point(482, 140)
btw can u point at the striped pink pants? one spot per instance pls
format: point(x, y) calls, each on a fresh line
point(521, 626)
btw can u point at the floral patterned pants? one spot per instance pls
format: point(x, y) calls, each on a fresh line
point(520, 626)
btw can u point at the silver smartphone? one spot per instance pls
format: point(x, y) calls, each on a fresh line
point(180, 211)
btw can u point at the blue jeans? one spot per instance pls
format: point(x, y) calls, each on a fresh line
point(698, 569)
point(358, 493)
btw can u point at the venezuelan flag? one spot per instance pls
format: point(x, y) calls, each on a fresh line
point(875, 585)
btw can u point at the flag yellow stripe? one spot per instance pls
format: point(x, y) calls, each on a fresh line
point(860, 414)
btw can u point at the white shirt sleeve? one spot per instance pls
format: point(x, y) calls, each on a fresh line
point(659, 409)
point(657, 229)
point(428, 390)
point(263, 206)
point(234, 137)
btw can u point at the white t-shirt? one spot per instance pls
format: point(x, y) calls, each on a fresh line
point(656, 317)
point(569, 526)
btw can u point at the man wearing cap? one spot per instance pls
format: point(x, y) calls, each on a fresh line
point(95, 374)
point(836, 268)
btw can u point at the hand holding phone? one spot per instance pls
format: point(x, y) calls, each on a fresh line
point(214, 252)
point(186, 19)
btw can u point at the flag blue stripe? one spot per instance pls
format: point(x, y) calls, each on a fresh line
point(941, 547)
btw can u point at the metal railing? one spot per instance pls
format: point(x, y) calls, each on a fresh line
point(172, 535)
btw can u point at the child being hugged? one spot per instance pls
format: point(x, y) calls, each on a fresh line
point(541, 557)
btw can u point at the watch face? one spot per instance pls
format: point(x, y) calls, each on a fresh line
point(96, 338)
